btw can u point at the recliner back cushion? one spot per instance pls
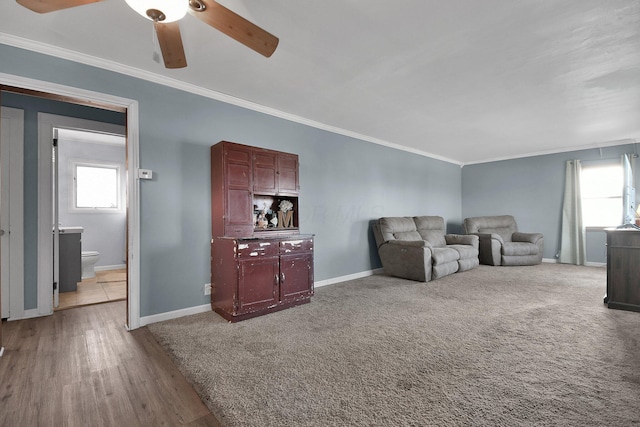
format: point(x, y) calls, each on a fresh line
point(398, 228)
point(408, 235)
point(475, 224)
point(431, 229)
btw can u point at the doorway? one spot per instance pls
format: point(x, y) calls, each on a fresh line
point(43, 264)
point(89, 214)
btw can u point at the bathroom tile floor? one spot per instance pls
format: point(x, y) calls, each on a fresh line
point(107, 286)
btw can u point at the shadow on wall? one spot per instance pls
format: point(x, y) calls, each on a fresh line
point(373, 247)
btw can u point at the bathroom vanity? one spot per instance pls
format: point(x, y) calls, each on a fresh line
point(260, 262)
point(70, 258)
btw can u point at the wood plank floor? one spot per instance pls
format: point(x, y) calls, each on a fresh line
point(109, 285)
point(80, 367)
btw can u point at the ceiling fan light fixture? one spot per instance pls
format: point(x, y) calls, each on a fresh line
point(172, 10)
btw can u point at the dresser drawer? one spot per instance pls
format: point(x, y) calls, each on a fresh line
point(296, 245)
point(258, 248)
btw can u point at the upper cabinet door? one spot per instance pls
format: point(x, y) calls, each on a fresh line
point(238, 200)
point(265, 176)
point(238, 167)
point(275, 173)
point(288, 174)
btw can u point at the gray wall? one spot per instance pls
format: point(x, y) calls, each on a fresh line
point(532, 190)
point(103, 231)
point(345, 183)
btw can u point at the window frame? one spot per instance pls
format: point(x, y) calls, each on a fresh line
point(73, 164)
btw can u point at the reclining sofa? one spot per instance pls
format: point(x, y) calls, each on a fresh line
point(417, 248)
point(502, 244)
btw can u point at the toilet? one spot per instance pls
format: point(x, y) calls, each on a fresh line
point(89, 259)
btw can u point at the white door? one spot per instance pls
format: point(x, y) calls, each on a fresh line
point(11, 213)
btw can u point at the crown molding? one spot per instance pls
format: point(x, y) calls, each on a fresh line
point(560, 150)
point(104, 64)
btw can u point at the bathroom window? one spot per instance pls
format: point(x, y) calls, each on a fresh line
point(96, 187)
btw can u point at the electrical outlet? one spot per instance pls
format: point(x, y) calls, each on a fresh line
point(207, 289)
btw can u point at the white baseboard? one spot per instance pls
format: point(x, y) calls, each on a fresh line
point(353, 276)
point(160, 317)
point(595, 264)
point(28, 314)
point(110, 267)
point(587, 264)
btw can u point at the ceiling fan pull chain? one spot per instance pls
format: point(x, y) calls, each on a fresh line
point(156, 47)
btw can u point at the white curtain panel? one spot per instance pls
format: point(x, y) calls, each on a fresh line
point(628, 193)
point(572, 246)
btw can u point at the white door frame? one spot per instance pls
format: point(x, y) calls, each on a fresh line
point(12, 217)
point(45, 294)
point(47, 209)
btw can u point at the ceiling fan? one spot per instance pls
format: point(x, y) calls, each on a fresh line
point(165, 15)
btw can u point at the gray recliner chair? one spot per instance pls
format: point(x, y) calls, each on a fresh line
point(417, 248)
point(502, 244)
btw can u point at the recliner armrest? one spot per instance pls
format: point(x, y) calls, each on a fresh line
point(462, 239)
point(490, 245)
point(412, 243)
point(489, 236)
point(406, 259)
point(526, 237)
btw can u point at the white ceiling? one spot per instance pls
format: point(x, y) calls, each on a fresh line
point(461, 80)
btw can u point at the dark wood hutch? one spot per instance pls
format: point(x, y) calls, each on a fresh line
point(260, 262)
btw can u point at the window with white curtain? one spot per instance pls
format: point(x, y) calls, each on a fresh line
point(601, 187)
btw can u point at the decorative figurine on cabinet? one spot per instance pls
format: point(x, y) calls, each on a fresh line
point(262, 219)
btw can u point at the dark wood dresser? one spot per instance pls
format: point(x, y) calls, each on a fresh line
point(256, 276)
point(623, 269)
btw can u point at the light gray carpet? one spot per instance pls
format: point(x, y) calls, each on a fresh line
point(494, 346)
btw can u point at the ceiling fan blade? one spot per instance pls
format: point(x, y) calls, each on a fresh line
point(236, 27)
point(170, 42)
point(44, 6)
